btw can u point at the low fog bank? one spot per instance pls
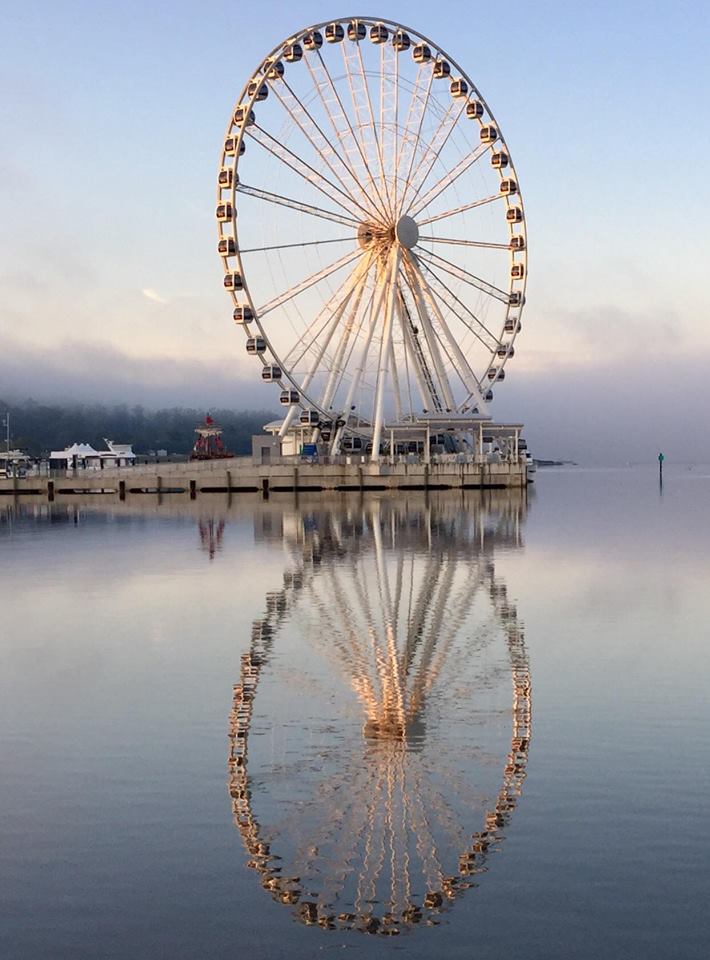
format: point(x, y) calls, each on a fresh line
point(596, 416)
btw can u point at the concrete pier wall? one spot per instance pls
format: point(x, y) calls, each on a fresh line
point(242, 475)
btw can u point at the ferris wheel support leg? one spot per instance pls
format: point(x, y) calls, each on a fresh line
point(342, 346)
point(467, 375)
point(429, 334)
point(412, 353)
point(385, 345)
point(359, 271)
point(374, 311)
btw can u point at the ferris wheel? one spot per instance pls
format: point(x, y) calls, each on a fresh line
point(371, 230)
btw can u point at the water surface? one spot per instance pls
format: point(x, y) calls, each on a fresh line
point(455, 723)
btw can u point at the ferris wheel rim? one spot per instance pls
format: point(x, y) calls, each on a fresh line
point(307, 401)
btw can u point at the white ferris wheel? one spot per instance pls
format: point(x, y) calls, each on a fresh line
point(372, 232)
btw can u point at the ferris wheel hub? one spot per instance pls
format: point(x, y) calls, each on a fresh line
point(407, 232)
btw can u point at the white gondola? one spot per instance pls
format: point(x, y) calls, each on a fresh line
point(244, 116)
point(352, 444)
point(492, 373)
point(225, 211)
point(325, 435)
point(522, 444)
point(226, 247)
point(517, 271)
point(505, 351)
point(517, 242)
point(289, 397)
point(489, 133)
point(442, 69)
point(474, 109)
point(489, 396)
point(356, 30)
point(512, 325)
point(256, 345)
point(274, 69)
point(379, 33)
point(230, 146)
point(260, 89)
point(458, 87)
point(508, 187)
point(516, 299)
point(293, 52)
point(233, 281)
point(243, 314)
point(421, 53)
point(271, 373)
point(313, 40)
point(400, 40)
point(226, 178)
point(334, 33)
point(499, 160)
point(310, 418)
point(514, 215)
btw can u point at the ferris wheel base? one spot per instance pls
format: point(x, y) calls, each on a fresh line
point(495, 454)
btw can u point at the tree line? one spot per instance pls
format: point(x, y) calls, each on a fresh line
point(38, 428)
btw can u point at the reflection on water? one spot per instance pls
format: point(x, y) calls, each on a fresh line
point(375, 781)
point(380, 727)
point(211, 533)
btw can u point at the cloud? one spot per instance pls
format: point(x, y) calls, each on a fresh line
point(151, 294)
point(99, 372)
point(624, 409)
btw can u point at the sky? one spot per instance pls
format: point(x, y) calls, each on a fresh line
point(112, 120)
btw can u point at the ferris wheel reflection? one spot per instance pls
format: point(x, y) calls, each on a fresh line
point(394, 628)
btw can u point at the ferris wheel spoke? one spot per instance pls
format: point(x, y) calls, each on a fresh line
point(471, 279)
point(307, 283)
point(345, 292)
point(449, 178)
point(326, 319)
point(299, 205)
point(490, 345)
point(389, 113)
point(467, 243)
point(361, 270)
point(413, 348)
point(340, 370)
point(362, 101)
point(433, 152)
point(429, 335)
point(290, 246)
point(337, 364)
point(384, 354)
point(376, 304)
point(415, 119)
point(462, 209)
point(425, 383)
point(333, 106)
point(463, 367)
point(321, 143)
point(304, 170)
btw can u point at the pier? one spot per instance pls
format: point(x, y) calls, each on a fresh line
point(288, 475)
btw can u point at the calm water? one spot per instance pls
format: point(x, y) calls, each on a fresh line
point(454, 725)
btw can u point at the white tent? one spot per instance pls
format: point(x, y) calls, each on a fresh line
point(82, 451)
